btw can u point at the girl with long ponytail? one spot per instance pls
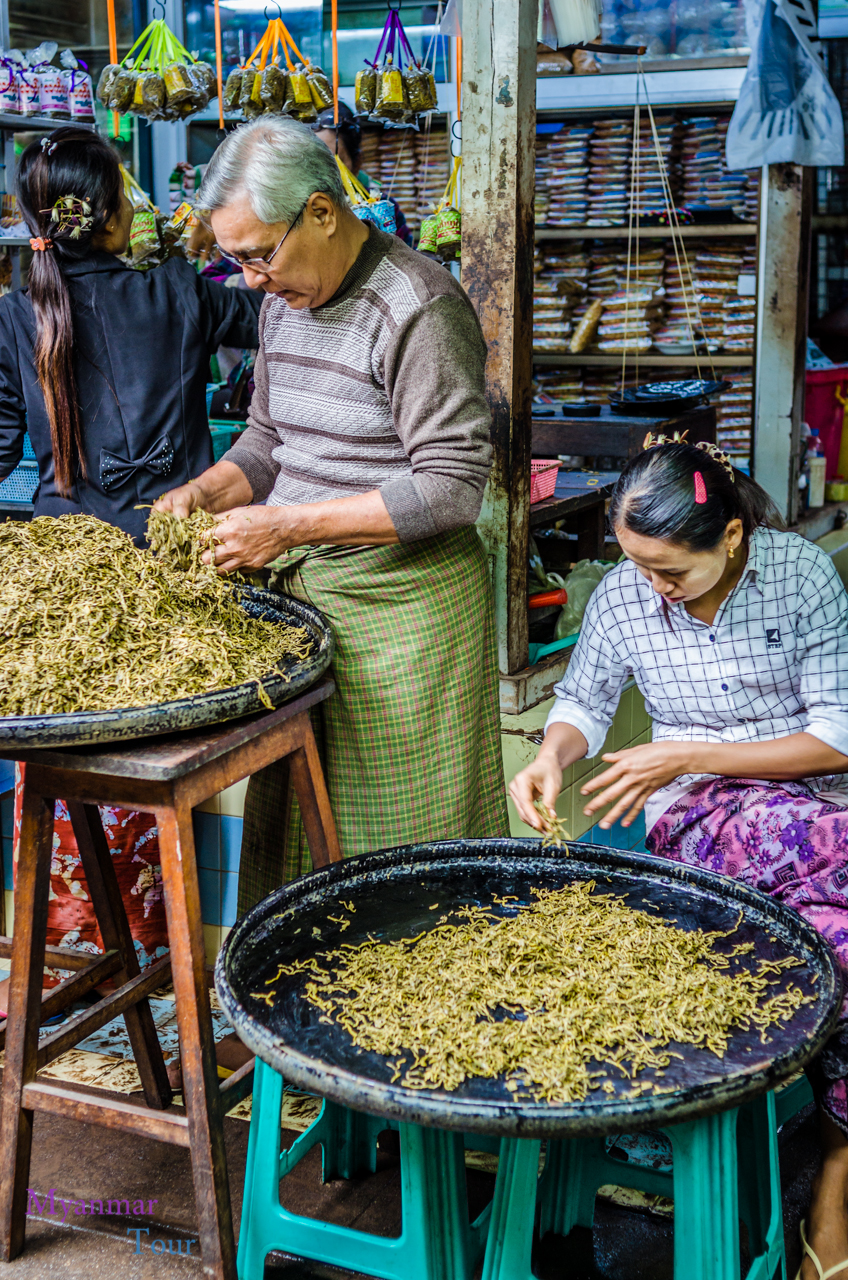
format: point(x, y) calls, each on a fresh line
point(105, 368)
point(736, 633)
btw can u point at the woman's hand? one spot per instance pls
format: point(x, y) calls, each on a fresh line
point(542, 778)
point(635, 774)
point(248, 538)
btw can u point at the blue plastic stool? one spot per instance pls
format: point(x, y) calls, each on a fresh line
point(724, 1166)
point(437, 1242)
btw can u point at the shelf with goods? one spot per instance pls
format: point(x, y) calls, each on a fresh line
point(583, 191)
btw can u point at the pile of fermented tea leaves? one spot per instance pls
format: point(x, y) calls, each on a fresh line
point(574, 979)
point(89, 622)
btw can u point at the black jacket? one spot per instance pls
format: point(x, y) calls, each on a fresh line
point(143, 342)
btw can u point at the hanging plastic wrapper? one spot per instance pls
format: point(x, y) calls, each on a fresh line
point(388, 92)
point(367, 207)
point(158, 79)
point(79, 87)
point(787, 111)
point(9, 82)
point(441, 233)
point(52, 89)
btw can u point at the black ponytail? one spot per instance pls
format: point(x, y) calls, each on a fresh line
point(655, 497)
point(70, 162)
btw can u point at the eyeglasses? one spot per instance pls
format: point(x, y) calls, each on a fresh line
point(263, 264)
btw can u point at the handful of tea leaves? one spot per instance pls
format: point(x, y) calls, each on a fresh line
point(545, 996)
point(88, 622)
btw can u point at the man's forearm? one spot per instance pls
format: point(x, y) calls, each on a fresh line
point(800, 755)
point(223, 487)
point(361, 521)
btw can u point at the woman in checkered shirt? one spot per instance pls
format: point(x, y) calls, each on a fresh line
point(736, 632)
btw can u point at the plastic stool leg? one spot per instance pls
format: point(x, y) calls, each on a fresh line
point(349, 1140)
point(510, 1242)
point(262, 1172)
point(567, 1190)
point(706, 1199)
point(759, 1187)
point(435, 1204)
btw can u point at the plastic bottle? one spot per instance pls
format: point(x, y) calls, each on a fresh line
point(817, 464)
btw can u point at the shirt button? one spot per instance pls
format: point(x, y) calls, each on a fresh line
point(724, 687)
point(713, 639)
point(741, 721)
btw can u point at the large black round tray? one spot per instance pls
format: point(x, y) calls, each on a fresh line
point(88, 727)
point(659, 399)
point(393, 891)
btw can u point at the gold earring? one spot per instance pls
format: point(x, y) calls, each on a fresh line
point(730, 553)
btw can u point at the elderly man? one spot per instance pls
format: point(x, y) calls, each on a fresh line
point(367, 452)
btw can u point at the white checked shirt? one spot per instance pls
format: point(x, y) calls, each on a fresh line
point(773, 662)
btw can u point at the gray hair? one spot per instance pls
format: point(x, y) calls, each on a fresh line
point(278, 163)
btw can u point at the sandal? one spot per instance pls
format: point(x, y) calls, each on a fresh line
point(823, 1275)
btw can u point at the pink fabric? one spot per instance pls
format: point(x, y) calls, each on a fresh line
point(780, 838)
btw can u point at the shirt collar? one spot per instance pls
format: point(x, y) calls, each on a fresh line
point(757, 557)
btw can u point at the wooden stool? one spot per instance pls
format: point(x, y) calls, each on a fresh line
point(166, 777)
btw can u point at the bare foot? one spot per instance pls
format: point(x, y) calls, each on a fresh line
point(827, 1220)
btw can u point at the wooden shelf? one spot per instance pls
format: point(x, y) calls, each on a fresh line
point(551, 509)
point(654, 361)
point(656, 233)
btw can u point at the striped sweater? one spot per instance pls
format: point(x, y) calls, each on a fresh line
point(382, 388)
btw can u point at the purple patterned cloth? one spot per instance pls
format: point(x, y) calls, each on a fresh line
point(780, 838)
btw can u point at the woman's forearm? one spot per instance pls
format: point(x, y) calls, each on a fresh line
point(800, 755)
point(565, 744)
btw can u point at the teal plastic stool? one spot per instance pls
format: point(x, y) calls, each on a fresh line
point(725, 1167)
point(437, 1242)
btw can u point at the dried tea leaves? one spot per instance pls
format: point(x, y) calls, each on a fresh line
point(88, 622)
point(575, 979)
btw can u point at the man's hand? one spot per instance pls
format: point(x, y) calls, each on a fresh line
point(635, 774)
point(248, 538)
point(541, 778)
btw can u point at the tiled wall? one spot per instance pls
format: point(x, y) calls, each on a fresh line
point(521, 737)
point(218, 826)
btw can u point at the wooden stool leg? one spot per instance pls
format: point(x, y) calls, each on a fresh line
point(197, 1047)
point(24, 1015)
point(109, 909)
point(307, 778)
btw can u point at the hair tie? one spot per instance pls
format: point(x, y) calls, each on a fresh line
point(700, 489)
point(718, 455)
point(48, 146)
point(40, 243)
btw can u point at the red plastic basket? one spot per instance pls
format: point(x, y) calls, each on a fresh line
point(543, 478)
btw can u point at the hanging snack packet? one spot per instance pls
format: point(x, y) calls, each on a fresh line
point(417, 89)
point(29, 91)
point(78, 83)
point(232, 89)
point(272, 88)
point(53, 93)
point(149, 95)
point(366, 91)
point(319, 86)
point(392, 102)
point(121, 90)
point(304, 107)
point(8, 82)
point(178, 84)
point(144, 234)
point(199, 74)
point(104, 84)
point(249, 99)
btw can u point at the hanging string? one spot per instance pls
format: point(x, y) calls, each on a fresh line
point(633, 178)
point(459, 77)
point(219, 65)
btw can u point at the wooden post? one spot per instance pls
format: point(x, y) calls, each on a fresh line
point(498, 166)
point(782, 331)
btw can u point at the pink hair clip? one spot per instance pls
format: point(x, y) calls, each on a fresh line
point(700, 489)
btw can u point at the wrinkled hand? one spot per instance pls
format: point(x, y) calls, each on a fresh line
point(247, 538)
point(635, 774)
point(541, 778)
point(181, 501)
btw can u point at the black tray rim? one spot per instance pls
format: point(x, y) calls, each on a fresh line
point(523, 1120)
point(121, 724)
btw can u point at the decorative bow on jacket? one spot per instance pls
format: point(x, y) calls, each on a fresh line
point(115, 471)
